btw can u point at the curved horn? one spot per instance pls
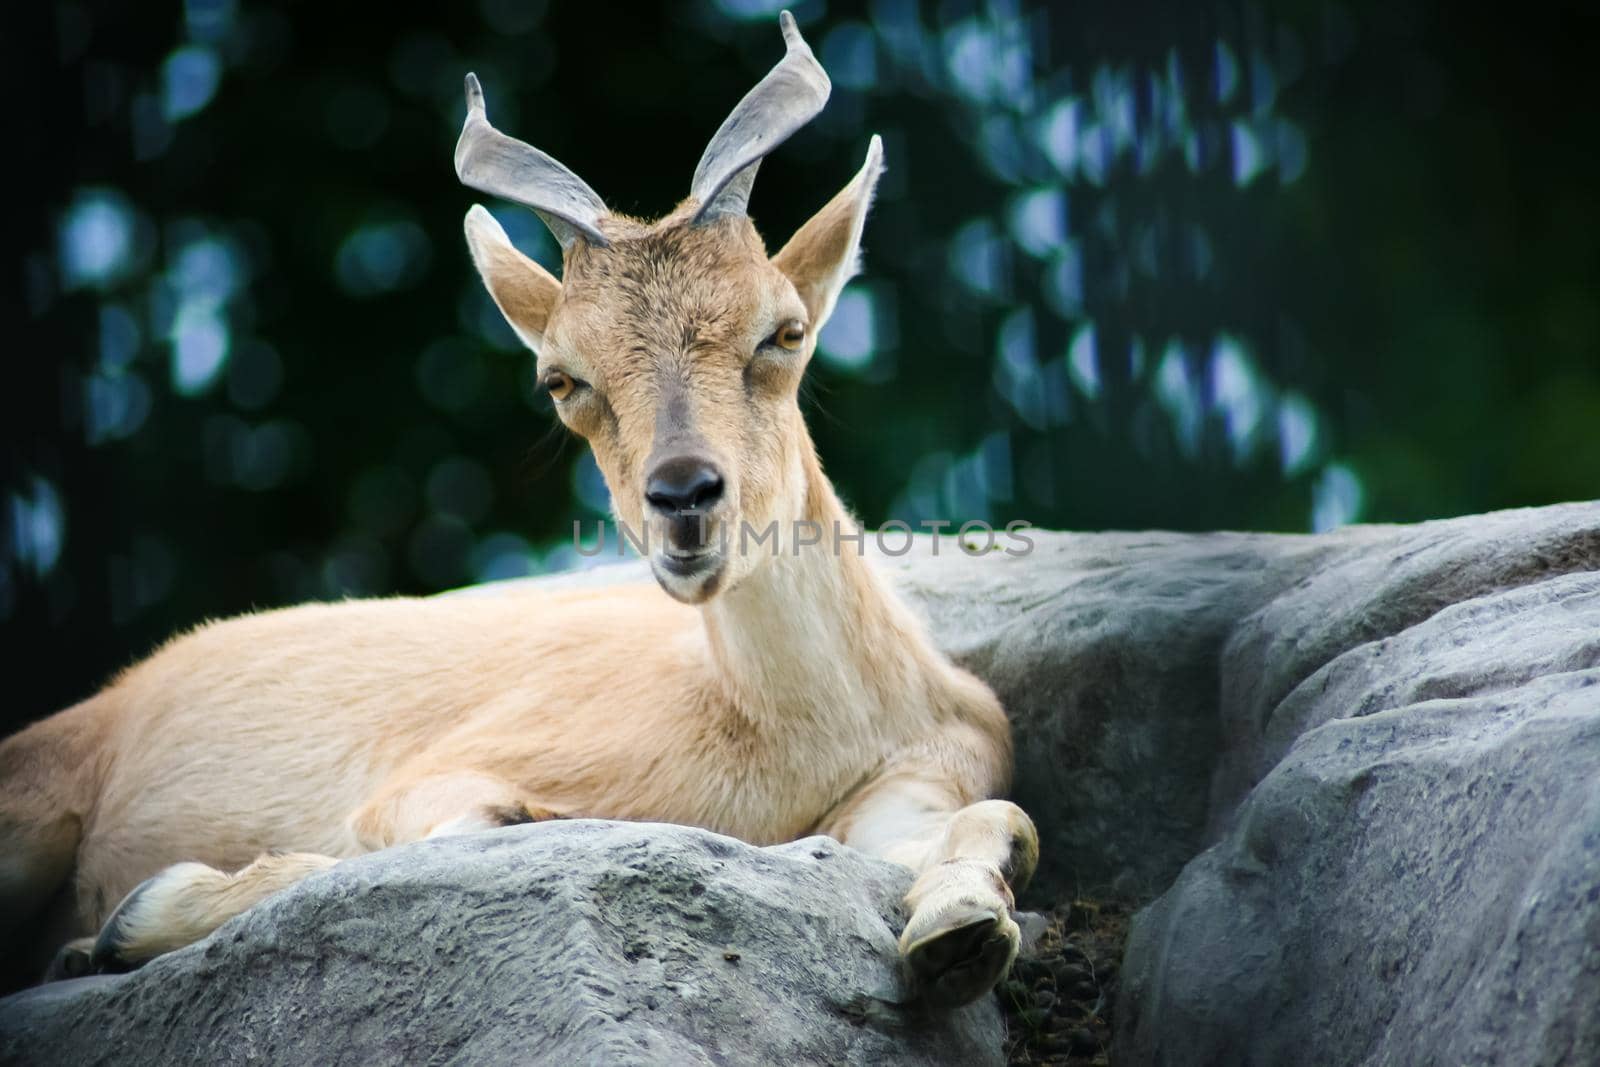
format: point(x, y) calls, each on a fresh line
point(491, 162)
point(786, 99)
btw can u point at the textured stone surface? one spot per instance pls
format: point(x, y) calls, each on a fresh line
point(1406, 816)
point(582, 942)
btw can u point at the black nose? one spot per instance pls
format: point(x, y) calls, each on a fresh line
point(683, 483)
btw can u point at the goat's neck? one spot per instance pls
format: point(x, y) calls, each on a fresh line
point(816, 637)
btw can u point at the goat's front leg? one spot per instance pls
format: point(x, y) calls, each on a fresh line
point(970, 858)
point(185, 902)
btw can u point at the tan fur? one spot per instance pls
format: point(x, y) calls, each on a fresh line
point(187, 901)
point(769, 698)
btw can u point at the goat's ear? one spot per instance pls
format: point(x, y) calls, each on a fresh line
point(524, 292)
point(825, 253)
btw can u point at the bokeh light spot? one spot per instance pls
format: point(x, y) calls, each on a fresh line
point(382, 257)
point(1226, 81)
point(1039, 220)
point(1251, 154)
point(1178, 393)
point(847, 339)
point(1297, 433)
point(206, 268)
point(209, 21)
point(850, 56)
point(120, 337)
point(200, 343)
point(1083, 361)
point(96, 239)
point(589, 485)
point(37, 519)
point(189, 79)
point(502, 555)
point(1238, 391)
point(978, 258)
point(115, 405)
point(356, 566)
point(1336, 498)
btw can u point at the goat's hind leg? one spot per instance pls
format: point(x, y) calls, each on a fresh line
point(181, 905)
point(185, 902)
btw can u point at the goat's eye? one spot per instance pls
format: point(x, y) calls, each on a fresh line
point(790, 336)
point(559, 385)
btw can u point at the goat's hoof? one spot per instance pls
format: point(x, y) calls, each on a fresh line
point(962, 958)
point(71, 961)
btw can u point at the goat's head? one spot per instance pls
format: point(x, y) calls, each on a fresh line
point(677, 347)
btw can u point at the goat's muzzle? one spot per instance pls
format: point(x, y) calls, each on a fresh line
point(682, 491)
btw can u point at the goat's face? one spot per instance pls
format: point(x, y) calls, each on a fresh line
point(676, 348)
point(678, 355)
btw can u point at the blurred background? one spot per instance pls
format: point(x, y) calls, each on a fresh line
point(1194, 265)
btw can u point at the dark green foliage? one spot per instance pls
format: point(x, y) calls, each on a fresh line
point(1183, 265)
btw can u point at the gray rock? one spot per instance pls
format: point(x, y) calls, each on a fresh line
point(1273, 669)
point(580, 942)
point(1406, 816)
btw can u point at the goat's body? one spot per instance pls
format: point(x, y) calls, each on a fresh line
point(276, 730)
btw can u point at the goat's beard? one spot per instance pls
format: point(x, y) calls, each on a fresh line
point(689, 579)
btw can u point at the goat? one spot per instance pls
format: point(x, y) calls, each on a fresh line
point(768, 695)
